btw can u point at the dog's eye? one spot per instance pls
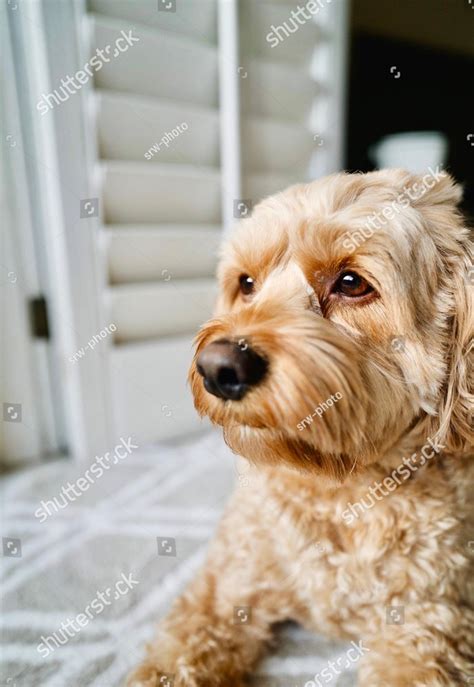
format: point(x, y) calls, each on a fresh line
point(246, 284)
point(351, 284)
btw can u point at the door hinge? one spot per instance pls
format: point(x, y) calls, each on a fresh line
point(39, 318)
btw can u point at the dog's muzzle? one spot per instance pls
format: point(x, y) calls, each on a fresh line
point(230, 369)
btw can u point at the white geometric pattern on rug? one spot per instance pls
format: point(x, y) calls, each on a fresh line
point(176, 491)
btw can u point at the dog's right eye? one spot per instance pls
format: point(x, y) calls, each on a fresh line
point(246, 284)
point(352, 284)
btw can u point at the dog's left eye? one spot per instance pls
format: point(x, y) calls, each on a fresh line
point(246, 284)
point(351, 284)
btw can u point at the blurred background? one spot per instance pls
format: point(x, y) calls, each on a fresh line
point(135, 134)
point(118, 190)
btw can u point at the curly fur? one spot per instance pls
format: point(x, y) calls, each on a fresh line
point(414, 547)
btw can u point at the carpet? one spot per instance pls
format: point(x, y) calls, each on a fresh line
point(85, 580)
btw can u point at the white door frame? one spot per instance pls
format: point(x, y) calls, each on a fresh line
point(33, 430)
point(47, 36)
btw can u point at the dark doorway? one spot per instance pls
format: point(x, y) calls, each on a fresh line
point(430, 45)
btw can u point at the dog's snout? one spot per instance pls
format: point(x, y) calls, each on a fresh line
point(230, 369)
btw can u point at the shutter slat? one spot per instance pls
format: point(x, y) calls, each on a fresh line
point(145, 311)
point(268, 144)
point(295, 40)
point(196, 19)
point(258, 186)
point(137, 253)
point(160, 64)
point(142, 192)
point(277, 90)
point(129, 126)
point(150, 390)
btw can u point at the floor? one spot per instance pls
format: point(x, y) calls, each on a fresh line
point(85, 583)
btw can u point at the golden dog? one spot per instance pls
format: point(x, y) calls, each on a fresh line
point(339, 362)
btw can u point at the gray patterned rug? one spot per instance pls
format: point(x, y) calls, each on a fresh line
point(86, 576)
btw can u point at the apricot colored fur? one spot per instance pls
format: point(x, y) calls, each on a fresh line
point(413, 548)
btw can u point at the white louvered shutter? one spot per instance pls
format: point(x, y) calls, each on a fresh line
point(162, 217)
point(291, 93)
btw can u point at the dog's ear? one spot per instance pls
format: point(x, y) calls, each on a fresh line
point(438, 207)
point(436, 197)
point(437, 188)
point(455, 413)
point(437, 203)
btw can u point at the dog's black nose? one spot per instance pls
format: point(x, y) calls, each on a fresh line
point(230, 369)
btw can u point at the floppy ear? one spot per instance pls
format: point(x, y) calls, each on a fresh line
point(437, 197)
point(453, 424)
point(456, 278)
point(438, 188)
point(455, 413)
